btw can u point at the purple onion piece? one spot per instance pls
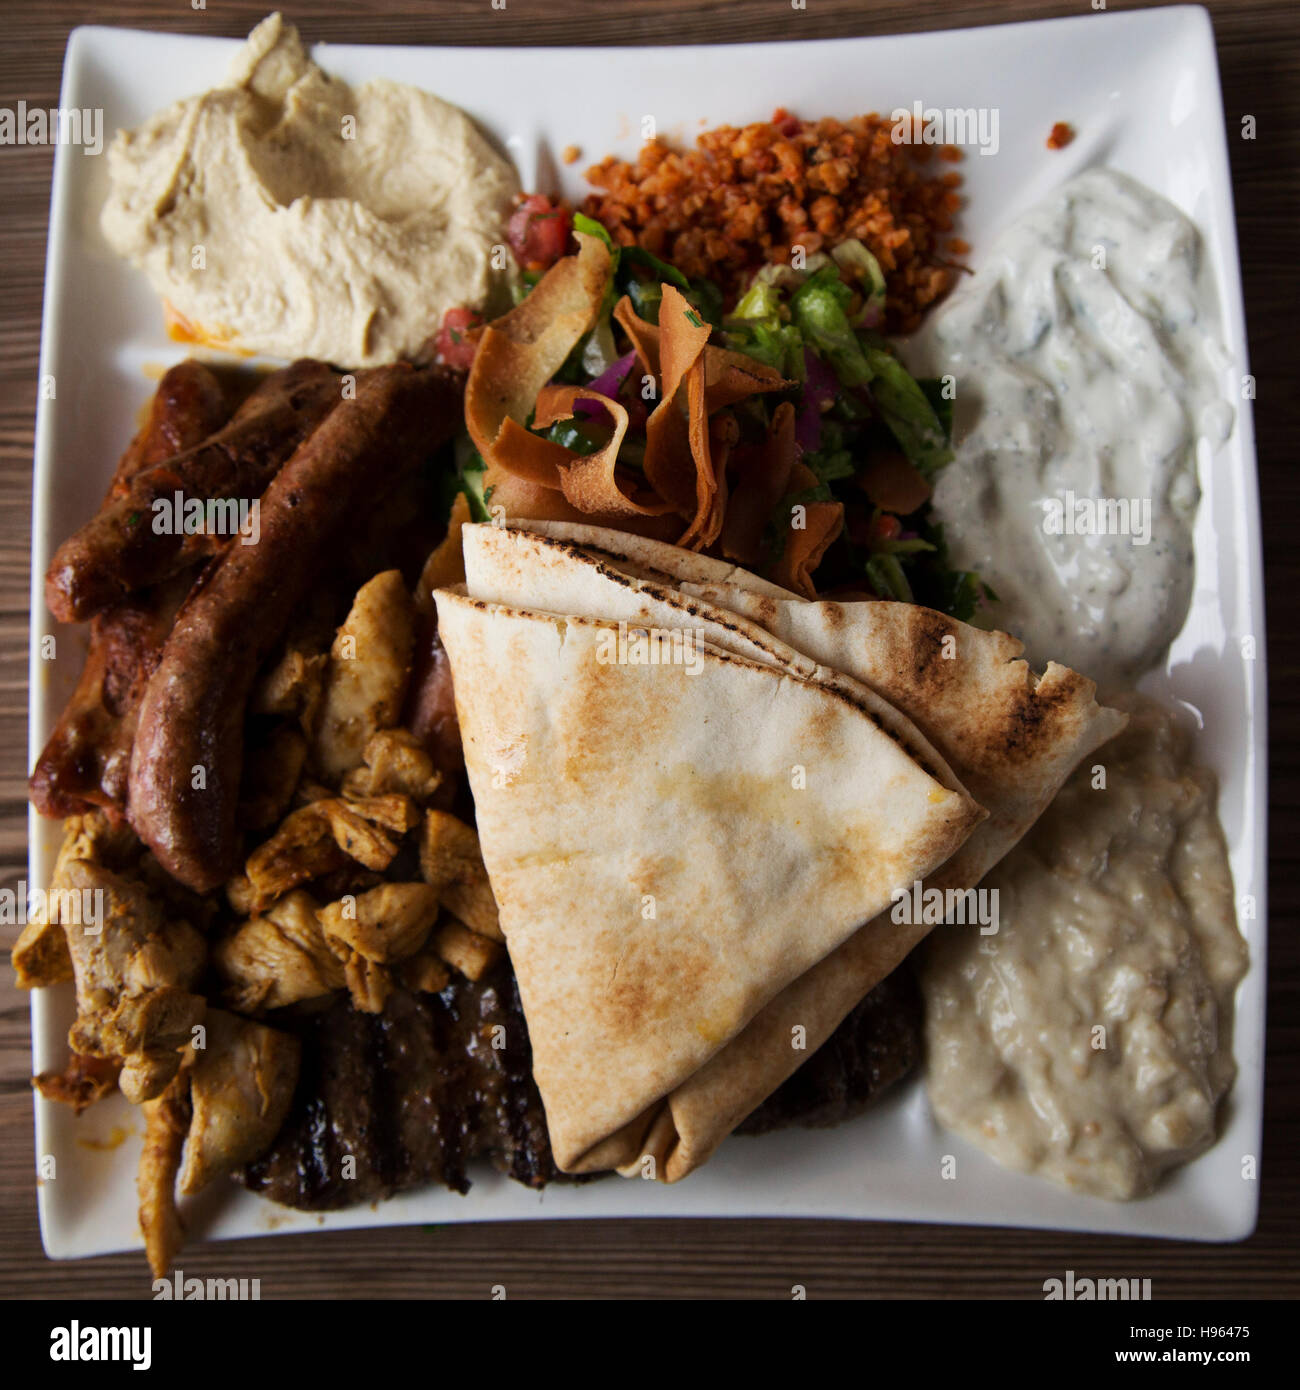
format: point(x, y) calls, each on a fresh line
point(808, 425)
point(613, 377)
point(820, 383)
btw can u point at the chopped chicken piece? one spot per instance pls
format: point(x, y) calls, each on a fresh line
point(356, 822)
point(96, 839)
point(166, 1123)
point(386, 924)
point(40, 956)
point(325, 835)
point(368, 982)
point(292, 687)
point(134, 970)
point(241, 895)
point(424, 973)
point(82, 1082)
point(272, 770)
point(451, 861)
point(279, 958)
point(470, 953)
point(369, 667)
point(301, 849)
point(355, 835)
point(393, 810)
point(396, 761)
point(241, 1084)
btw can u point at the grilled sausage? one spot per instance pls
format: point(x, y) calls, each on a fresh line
point(189, 405)
point(88, 756)
point(118, 551)
point(86, 760)
point(192, 716)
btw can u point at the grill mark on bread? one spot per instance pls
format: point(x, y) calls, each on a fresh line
point(743, 628)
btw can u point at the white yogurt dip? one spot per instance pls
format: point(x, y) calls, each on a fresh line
point(1087, 362)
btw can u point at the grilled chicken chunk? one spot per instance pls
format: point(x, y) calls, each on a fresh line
point(81, 1083)
point(369, 667)
point(166, 1123)
point(388, 923)
point(451, 861)
point(241, 1083)
point(278, 958)
point(296, 950)
point(395, 761)
point(40, 955)
point(135, 969)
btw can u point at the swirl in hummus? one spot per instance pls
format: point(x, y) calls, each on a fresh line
point(289, 214)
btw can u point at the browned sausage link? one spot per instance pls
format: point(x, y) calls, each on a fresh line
point(189, 405)
point(87, 759)
point(119, 551)
point(187, 761)
point(431, 711)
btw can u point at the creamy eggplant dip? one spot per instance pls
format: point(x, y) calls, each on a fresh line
point(287, 213)
point(1087, 363)
point(1090, 1039)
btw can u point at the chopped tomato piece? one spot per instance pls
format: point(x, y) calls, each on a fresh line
point(886, 528)
point(456, 342)
point(538, 232)
point(1061, 135)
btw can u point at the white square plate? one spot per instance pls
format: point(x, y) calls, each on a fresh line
point(1142, 90)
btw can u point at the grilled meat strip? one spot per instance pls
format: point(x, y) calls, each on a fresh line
point(86, 760)
point(416, 1092)
point(412, 1094)
point(875, 1047)
point(118, 551)
point(192, 714)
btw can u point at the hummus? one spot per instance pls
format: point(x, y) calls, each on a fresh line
point(1090, 1039)
point(286, 213)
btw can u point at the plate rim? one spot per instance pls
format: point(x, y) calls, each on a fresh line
point(1250, 566)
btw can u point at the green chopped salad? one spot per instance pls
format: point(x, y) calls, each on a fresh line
point(860, 414)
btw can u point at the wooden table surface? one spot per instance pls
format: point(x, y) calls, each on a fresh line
point(1260, 59)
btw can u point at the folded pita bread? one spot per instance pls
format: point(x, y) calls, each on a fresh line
point(671, 845)
point(1011, 737)
point(521, 569)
